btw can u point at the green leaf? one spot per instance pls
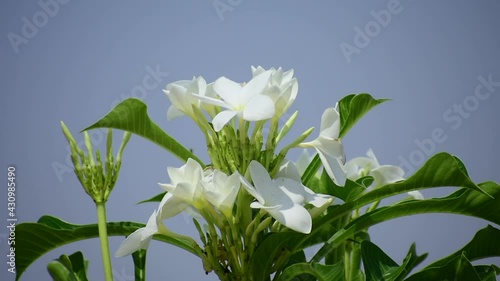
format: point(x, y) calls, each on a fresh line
point(36, 239)
point(320, 271)
point(462, 202)
point(353, 107)
point(376, 263)
point(483, 245)
point(139, 258)
point(69, 268)
point(379, 266)
point(413, 261)
point(352, 189)
point(131, 115)
point(441, 170)
point(156, 198)
point(299, 257)
point(310, 171)
point(459, 268)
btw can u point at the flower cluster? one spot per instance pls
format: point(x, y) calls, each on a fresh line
point(250, 188)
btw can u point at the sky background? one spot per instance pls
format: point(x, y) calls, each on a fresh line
point(75, 60)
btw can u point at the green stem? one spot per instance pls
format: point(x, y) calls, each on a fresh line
point(103, 236)
point(355, 262)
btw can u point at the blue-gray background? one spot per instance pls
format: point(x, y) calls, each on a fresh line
point(79, 59)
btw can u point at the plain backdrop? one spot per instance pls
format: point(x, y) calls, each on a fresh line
point(74, 60)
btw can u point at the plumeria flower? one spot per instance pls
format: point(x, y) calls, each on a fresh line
point(185, 189)
point(282, 198)
point(245, 101)
point(221, 190)
point(181, 96)
point(329, 146)
point(382, 174)
point(141, 238)
point(288, 169)
point(282, 88)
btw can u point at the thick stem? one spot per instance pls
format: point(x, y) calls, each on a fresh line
point(103, 236)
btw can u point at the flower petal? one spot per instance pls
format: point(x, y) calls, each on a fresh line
point(387, 174)
point(330, 124)
point(416, 195)
point(228, 90)
point(294, 217)
point(222, 118)
point(333, 167)
point(139, 239)
point(248, 186)
point(254, 87)
point(171, 206)
point(258, 108)
point(261, 180)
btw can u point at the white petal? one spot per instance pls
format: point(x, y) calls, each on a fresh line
point(416, 195)
point(213, 101)
point(233, 186)
point(334, 168)
point(330, 123)
point(139, 239)
point(371, 155)
point(248, 186)
point(294, 217)
point(132, 243)
point(292, 189)
point(387, 174)
point(288, 169)
point(330, 147)
point(261, 180)
point(254, 87)
point(173, 112)
point(228, 90)
point(171, 206)
point(258, 108)
point(258, 205)
point(222, 118)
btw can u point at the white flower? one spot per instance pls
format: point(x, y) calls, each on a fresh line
point(288, 169)
point(282, 198)
point(382, 174)
point(329, 146)
point(221, 191)
point(185, 188)
point(181, 96)
point(247, 101)
point(282, 88)
point(140, 238)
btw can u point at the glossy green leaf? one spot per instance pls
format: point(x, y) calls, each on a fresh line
point(483, 245)
point(353, 107)
point(36, 239)
point(458, 268)
point(69, 268)
point(311, 170)
point(350, 190)
point(156, 198)
point(441, 170)
point(320, 271)
point(131, 115)
point(464, 201)
point(378, 265)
